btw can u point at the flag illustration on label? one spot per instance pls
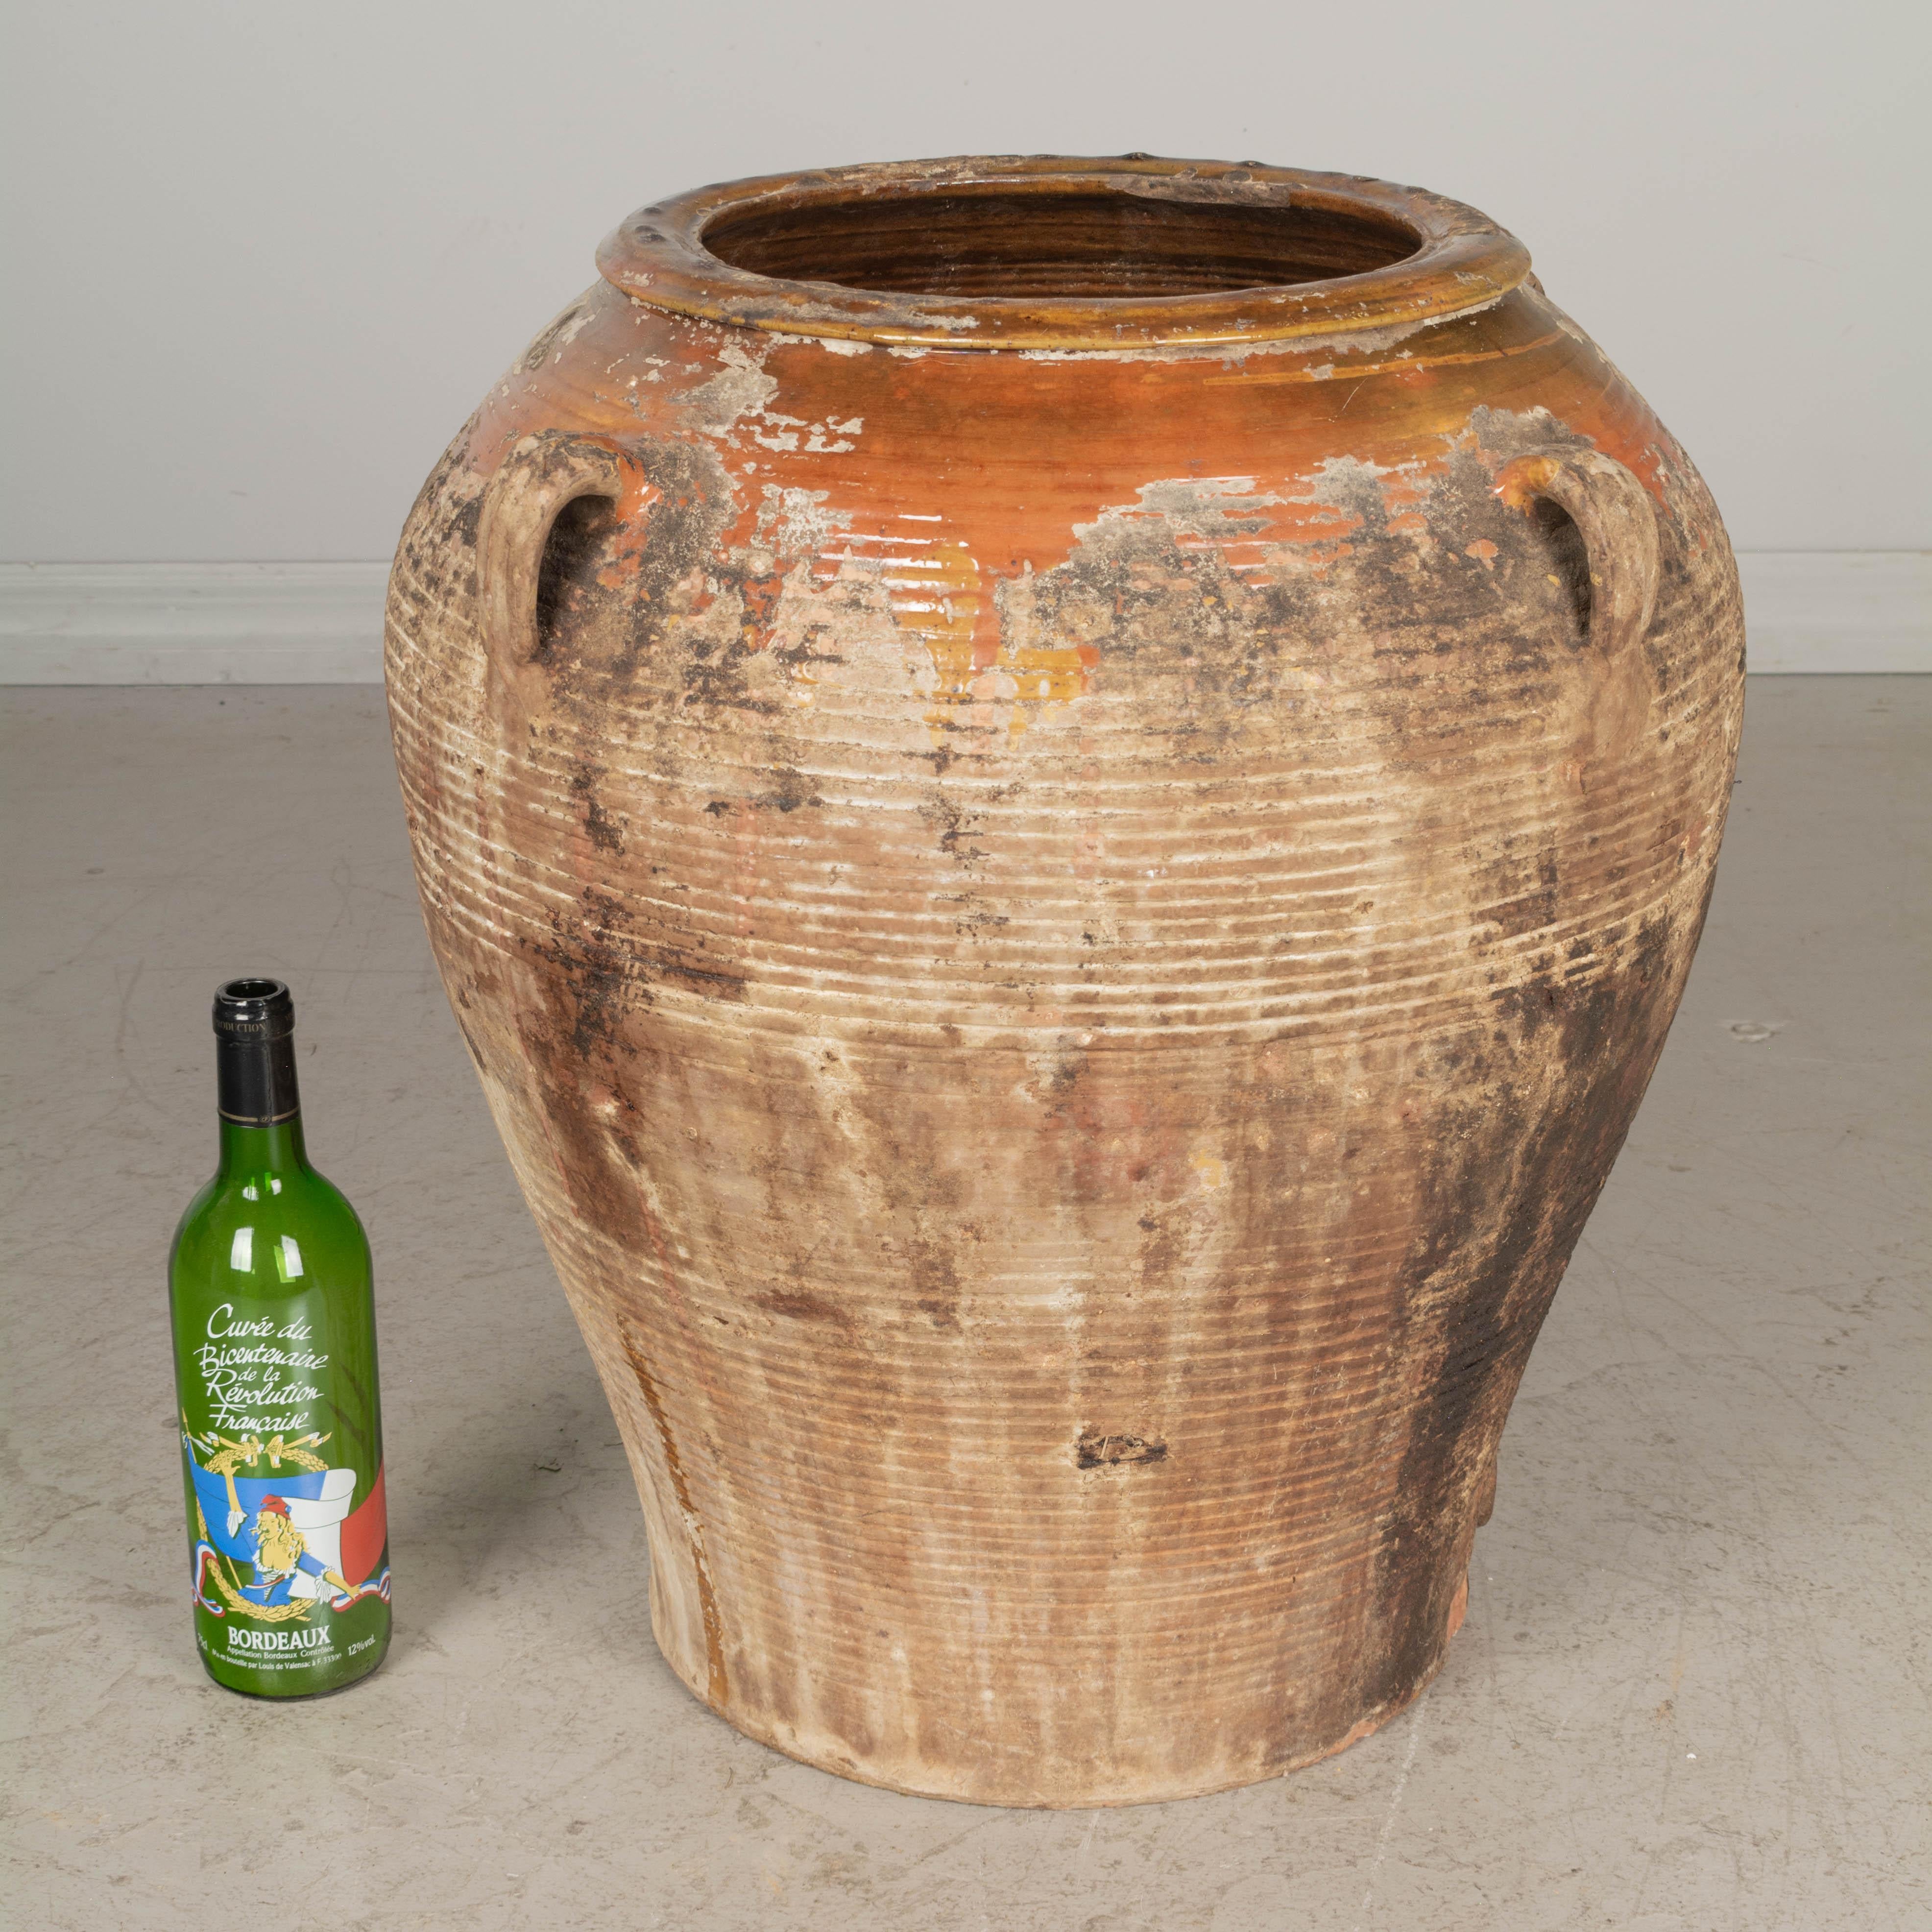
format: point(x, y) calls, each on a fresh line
point(289, 1532)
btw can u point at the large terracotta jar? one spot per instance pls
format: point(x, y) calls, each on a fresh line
point(1064, 803)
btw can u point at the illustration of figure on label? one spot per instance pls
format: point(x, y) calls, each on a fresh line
point(291, 1527)
point(281, 1553)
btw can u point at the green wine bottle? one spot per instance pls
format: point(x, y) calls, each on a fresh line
point(281, 1432)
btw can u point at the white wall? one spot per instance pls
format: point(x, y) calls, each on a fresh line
point(265, 257)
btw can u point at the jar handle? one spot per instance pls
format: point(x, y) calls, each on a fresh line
point(538, 477)
point(1613, 513)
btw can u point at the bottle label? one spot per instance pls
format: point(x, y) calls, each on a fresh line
point(278, 1541)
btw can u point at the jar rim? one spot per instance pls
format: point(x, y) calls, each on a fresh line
point(1459, 259)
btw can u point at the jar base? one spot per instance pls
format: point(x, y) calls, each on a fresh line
point(1094, 1800)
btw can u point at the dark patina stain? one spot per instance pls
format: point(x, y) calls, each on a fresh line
point(1096, 1450)
point(718, 1689)
point(792, 790)
point(801, 1305)
point(597, 823)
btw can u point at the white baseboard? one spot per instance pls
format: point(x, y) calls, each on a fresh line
point(322, 623)
point(1837, 610)
point(191, 623)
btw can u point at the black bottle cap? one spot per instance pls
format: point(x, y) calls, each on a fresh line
point(253, 1009)
point(255, 1053)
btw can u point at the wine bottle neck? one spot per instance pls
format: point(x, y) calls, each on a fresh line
point(255, 1078)
point(275, 1149)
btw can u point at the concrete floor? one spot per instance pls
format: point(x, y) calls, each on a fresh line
point(1691, 1690)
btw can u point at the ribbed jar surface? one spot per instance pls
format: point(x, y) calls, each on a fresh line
point(1061, 950)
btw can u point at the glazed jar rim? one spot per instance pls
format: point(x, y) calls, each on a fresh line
point(1462, 260)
